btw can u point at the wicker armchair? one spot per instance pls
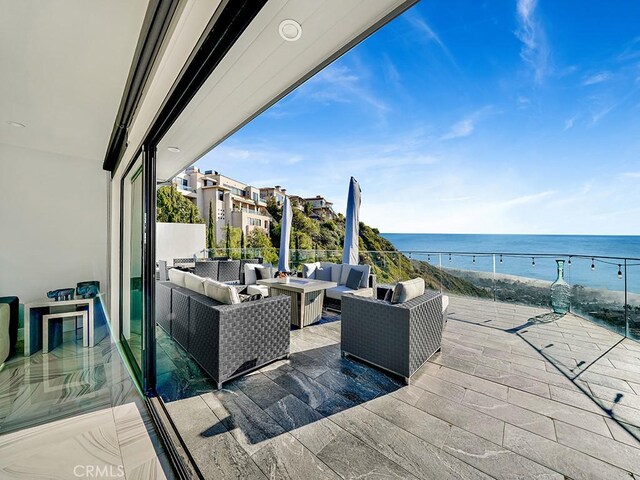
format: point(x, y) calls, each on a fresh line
point(399, 338)
point(229, 271)
point(207, 269)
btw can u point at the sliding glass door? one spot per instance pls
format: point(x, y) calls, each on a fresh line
point(131, 300)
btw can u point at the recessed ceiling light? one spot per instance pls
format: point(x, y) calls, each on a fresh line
point(16, 124)
point(174, 149)
point(290, 30)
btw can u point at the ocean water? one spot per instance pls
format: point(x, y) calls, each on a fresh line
point(579, 272)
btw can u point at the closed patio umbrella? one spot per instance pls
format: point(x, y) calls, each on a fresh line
point(285, 235)
point(352, 224)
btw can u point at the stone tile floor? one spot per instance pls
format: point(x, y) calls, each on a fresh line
point(75, 413)
point(513, 394)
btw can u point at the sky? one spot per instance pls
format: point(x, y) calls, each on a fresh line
point(499, 116)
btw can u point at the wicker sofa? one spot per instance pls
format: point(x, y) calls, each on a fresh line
point(399, 338)
point(339, 274)
point(225, 340)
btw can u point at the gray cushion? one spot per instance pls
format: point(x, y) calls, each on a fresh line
point(220, 292)
point(362, 268)
point(336, 270)
point(354, 279)
point(407, 290)
point(253, 289)
point(194, 283)
point(177, 277)
point(337, 292)
point(323, 274)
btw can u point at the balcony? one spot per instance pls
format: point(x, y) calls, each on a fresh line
point(514, 393)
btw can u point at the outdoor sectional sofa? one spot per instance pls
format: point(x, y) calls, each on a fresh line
point(398, 337)
point(339, 273)
point(225, 340)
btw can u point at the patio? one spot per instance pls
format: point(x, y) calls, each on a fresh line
point(513, 394)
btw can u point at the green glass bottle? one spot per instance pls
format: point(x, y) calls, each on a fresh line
point(560, 292)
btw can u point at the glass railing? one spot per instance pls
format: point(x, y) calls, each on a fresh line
point(604, 290)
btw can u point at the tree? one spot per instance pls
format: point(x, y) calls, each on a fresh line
point(308, 209)
point(243, 245)
point(228, 240)
point(212, 242)
point(173, 207)
point(274, 209)
point(259, 239)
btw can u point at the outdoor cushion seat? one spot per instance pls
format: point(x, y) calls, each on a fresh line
point(254, 289)
point(336, 293)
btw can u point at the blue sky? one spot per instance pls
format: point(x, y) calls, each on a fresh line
point(468, 117)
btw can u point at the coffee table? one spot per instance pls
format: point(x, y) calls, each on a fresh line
point(306, 297)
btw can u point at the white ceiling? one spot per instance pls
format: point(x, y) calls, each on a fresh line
point(261, 67)
point(63, 68)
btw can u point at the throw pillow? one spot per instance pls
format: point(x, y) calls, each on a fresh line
point(405, 291)
point(250, 298)
point(354, 279)
point(261, 273)
point(309, 270)
point(323, 274)
point(177, 277)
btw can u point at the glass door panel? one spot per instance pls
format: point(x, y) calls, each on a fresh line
point(132, 308)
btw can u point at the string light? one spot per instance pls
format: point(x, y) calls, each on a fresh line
point(619, 271)
point(449, 257)
point(428, 258)
point(533, 262)
point(593, 265)
point(569, 263)
point(500, 258)
point(474, 259)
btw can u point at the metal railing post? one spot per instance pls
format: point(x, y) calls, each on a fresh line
point(494, 276)
point(440, 268)
point(626, 303)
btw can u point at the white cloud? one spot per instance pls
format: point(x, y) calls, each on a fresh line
point(597, 78)
point(339, 83)
point(523, 102)
point(525, 199)
point(569, 122)
point(467, 125)
point(421, 25)
point(535, 50)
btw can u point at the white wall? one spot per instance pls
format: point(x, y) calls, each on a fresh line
point(53, 222)
point(175, 240)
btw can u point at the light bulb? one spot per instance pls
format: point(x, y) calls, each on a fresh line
point(569, 263)
point(533, 262)
point(593, 265)
point(619, 271)
point(500, 258)
point(474, 259)
point(449, 257)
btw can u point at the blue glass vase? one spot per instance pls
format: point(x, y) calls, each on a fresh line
point(560, 292)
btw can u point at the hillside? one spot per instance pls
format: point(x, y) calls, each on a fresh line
point(327, 235)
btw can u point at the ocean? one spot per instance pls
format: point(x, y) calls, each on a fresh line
point(604, 276)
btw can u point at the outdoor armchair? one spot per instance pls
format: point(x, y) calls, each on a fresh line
point(399, 338)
